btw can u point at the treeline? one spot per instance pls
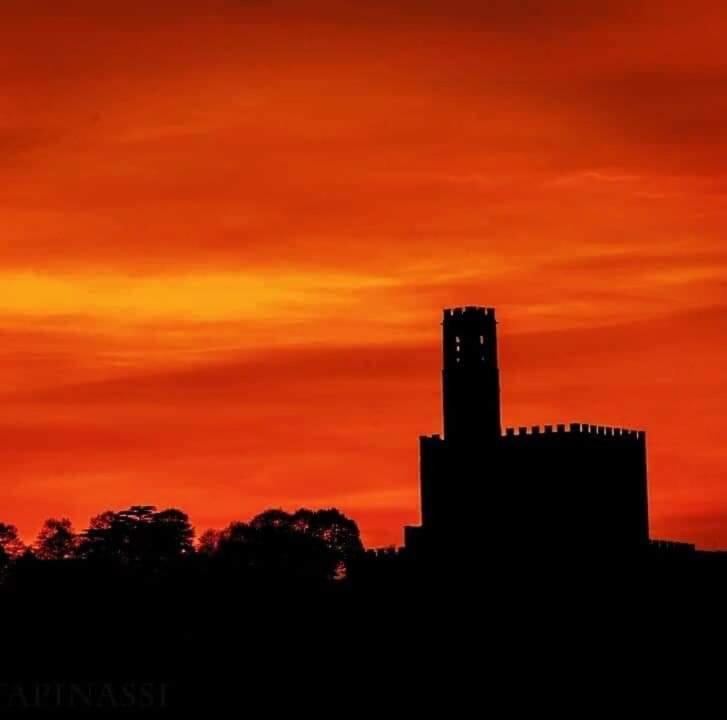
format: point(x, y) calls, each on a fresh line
point(143, 544)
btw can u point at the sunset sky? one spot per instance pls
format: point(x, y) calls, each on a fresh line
point(228, 229)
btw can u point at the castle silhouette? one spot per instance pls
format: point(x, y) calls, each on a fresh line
point(560, 490)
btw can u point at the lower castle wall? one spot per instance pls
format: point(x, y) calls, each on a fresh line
point(557, 487)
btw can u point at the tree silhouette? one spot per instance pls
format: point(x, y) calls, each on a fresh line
point(338, 532)
point(10, 543)
point(209, 542)
point(170, 534)
point(139, 536)
point(271, 549)
point(56, 540)
point(273, 518)
point(308, 546)
point(306, 549)
point(105, 539)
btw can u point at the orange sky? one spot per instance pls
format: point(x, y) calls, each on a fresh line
point(229, 227)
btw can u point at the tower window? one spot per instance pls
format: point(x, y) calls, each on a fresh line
point(482, 339)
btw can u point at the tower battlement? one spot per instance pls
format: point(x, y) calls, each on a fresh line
point(469, 311)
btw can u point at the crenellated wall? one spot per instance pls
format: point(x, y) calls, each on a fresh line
point(543, 432)
point(577, 481)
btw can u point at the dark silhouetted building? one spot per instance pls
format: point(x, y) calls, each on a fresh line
point(557, 490)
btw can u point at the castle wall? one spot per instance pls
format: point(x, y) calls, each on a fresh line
point(578, 484)
point(554, 486)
